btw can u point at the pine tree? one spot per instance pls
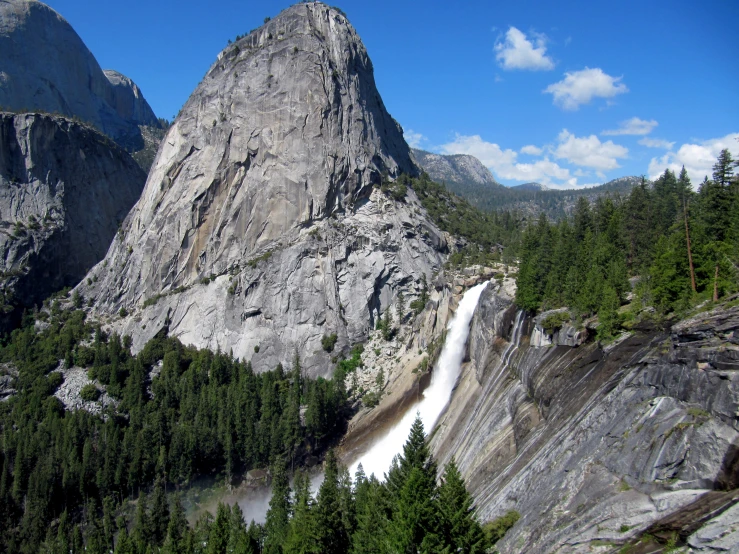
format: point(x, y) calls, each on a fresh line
point(685, 191)
point(177, 527)
point(142, 533)
point(373, 508)
point(334, 538)
point(723, 169)
point(400, 307)
point(460, 529)
point(159, 518)
point(303, 535)
point(277, 522)
point(608, 313)
point(412, 485)
point(239, 541)
point(220, 531)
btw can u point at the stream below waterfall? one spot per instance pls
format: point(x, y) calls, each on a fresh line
point(378, 455)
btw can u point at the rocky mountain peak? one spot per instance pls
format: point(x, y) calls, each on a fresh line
point(46, 67)
point(263, 199)
point(455, 169)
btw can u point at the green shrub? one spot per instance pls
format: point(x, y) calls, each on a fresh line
point(55, 380)
point(553, 322)
point(328, 342)
point(256, 349)
point(496, 529)
point(123, 312)
point(90, 393)
point(371, 399)
point(84, 356)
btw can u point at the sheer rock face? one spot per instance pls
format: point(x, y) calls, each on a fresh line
point(260, 228)
point(64, 190)
point(585, 442)
point(46, 67)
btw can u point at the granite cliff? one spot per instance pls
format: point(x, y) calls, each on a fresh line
point(45, 67)
point(262, 226)
point(64, 190)
point(598, 447)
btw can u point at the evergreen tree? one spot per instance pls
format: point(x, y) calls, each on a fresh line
point(608, 313)
point(220, 531)
point(373, 513)
point(460, 529)
point(412, 483)
point(277, 522)
point(159, 518)
point(142, 532)
point(177, 528)
point(334, 538)
point(303, 536)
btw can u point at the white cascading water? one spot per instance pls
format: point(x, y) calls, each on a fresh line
point(379, 456)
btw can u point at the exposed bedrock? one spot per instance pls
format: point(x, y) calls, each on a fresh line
point(591, 445)
point(64, 190)
point(261, 227)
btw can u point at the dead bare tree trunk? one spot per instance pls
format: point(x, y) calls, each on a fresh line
point(715, 285)
point(690, 253)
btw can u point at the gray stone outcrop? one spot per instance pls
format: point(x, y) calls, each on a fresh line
point(64, 190)
point(45, 67)
point(595, 446)
point(262, 226)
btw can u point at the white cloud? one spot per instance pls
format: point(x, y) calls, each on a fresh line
point(580, 87)
point(504, 162)
point(589, 151)
point(698, 158)
point(532, 150)
point(413, 139)
point(656, 143)
point(518, 52)
point(633, 126)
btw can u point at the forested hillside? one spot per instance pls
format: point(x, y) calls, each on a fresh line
point(66, 473)
point(681, 247)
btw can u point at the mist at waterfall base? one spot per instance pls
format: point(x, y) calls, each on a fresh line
point(379, 456)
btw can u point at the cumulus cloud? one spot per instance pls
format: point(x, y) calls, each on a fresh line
point(504, 162)
point(698, 158)
point(633, 126)
point(589, 151)
point(413, 139)
point(656, 143)
point(580, 87)
point(532, 150)
point(516, 51)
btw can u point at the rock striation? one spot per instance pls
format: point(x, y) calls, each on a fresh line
point(262, 226)
point(596, 446)
point(64, 190)
point(47, 68)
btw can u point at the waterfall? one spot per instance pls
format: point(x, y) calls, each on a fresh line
point(378, 457)
point(380, 454)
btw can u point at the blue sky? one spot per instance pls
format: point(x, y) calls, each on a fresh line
point(564, 94)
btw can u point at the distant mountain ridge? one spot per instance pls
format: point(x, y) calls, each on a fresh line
point(531, 186)
point(47, 68)
point(467, 177)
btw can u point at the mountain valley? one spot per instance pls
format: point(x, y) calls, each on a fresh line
point(287, 291)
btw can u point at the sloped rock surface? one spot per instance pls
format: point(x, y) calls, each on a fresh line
point(64, 190)
point(593, 447)
point(261, 227)
point(47, 68)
